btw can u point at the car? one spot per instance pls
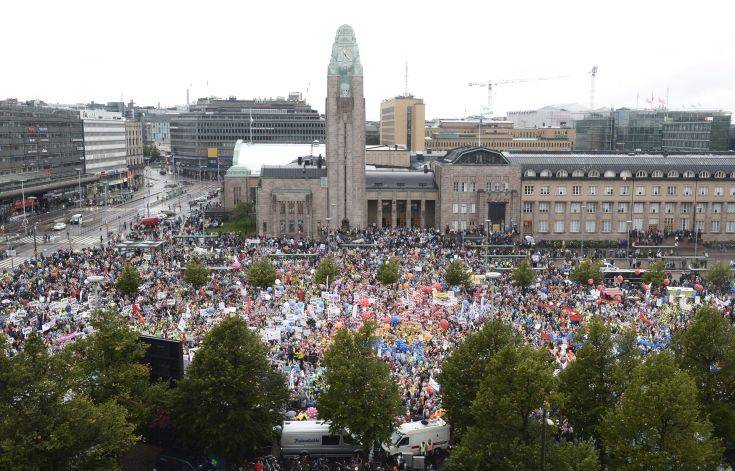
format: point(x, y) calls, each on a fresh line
point(59, 226)
point(201, 199)
point(161, 216)
point(162, 172)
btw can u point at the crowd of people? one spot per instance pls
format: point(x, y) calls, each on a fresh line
point(419, 321)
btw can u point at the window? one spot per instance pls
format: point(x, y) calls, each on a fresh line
point(527, 207)
point(654, 208)
point(719, 191)
point(463, 208)
point(640, 190)
point(330, 440)
point(592, 190)
point(700, 208)
point(591, 208)
point(732, 191)
point(545, 173)
point(638, 208)
point(562, 174)
point(593, 174)
point(699, 225)
point(559, 226)
point(641, 174)
point(574, 226)
point(730, 227)
point(719, 174)
point(685, 224)
point(606, 207)
point(625, 190)
point(609, 174)
point(655, 190)
point(575, 208)
point(716, 208)
point(669, 224)
point(543, 226)
point(671, 190)
point(456, 187)
point(528, 190)
point(576, 189)
point(530, 173)
point(638, 224)
point(561, 190)
point(543, 207)
point(589, 226)
point(455, 208)
point(731, 208)
point(653, 223)
point(673, 174)
point(625, 174)
point(560, 208)
point(544, 190)
point(622, 226)
point(688, 174)
point(470, 187)
point(606, 226)
point(622, 207)
point(657, 174)
point(578, 174)
point(686, 208)
point(472, 208)
point(687, 191)
point(704, 174)
point(609, 190)
point(703, 190)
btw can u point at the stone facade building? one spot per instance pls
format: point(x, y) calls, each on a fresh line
point(134, 146)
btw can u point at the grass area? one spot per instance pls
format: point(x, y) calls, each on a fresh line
point(243, 226)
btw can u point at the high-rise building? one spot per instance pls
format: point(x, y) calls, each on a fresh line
point(134, 148)
point(105, 148)
point(658, 130)
point(41, 156)
point(203, 139)
point(402, 122)
point(345, 133)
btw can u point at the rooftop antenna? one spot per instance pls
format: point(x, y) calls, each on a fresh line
point(593, 75)
point(405, 80)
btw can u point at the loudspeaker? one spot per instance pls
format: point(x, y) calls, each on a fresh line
point(165, 358)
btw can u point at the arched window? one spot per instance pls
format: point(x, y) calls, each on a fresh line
point(593, 174)
point(578, 174)
point(704, 174)
point(562, 174)
point(531, 173)
point(673, 174)
point(625, 174)
point(545, 173)
point(720, 174)
point(641, 174)
point(657, 174)
point(609, 174)
point(688, 174)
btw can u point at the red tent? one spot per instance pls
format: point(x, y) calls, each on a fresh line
point(148, 222)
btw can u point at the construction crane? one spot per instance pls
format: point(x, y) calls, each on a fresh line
point(593, 75)
point(490, 84)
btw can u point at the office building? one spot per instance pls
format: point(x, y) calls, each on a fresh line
point(134, 149)
point(554, 116)
point(203, 139)
point(448, 134)
point(657, 130)
point(402, 123)
point(41, 156)
point(105, 148)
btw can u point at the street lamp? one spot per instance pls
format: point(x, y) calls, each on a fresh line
point(79, 183)
point(488, 222)
point(582, 222)
point(628, 226)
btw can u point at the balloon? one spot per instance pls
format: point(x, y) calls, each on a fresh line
point(395, 320)
point(386, 319)
point(637, 272)
point(600, 288)
point(666, 282)
point(699, 288)
point(444, 324)
point(364, 302)
point(236, 265)
point(366, 315)
point(619, 279)
point(590, 281)
point(644, 287)
point(409, 276)
point(338, 325)
point(405, 285)
point(437, 286)
point(618, 298)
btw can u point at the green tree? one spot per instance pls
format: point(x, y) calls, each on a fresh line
point(389, 271)
point(262, 273)
point(359, 396)
point(110, 365)
point(657, 423)
point(456, 273)
point(465, 368)
point(587, 269)
point(128, 280)
point(150, 150)
point(46, 420)
point(655, 274)
point(196, 274)
point(230, 398)
point(327, 271)
point(243, 211)
point(506, 433)
point(573, 456)
point(591, 385)
point(718, 276)
point(522, 275)
point(706, 350)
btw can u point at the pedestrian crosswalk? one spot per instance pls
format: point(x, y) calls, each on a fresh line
point(83, 240)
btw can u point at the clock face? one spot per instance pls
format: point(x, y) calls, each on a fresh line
point(345, 56)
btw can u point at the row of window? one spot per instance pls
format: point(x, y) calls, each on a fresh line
point(624, 190)
point(624, 207)
point(622, 226)
point(625, 174)
point(494, 185)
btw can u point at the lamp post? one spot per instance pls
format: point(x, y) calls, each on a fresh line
point(628, 226)
point(582, 222)
point(79, 185)
point(488, 223)
point(35, 246)
point(23, 196)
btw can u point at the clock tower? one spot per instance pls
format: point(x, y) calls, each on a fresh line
point(345, 134)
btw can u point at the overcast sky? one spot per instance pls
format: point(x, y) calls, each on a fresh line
point(151, 51)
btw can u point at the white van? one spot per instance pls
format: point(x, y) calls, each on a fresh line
point(75, 219)
point(407, 437)
point(313, 438)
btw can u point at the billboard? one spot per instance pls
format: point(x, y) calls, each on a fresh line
point(212, 152)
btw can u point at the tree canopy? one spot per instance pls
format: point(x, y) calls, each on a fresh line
point(230, 398)
point(360, 396)
point(586, 270)
point(657, 423)
point(128, 280)
point(262, 273)
point(718, 276)
point(457, 273)
point(522, 275)
point(196, 274)
point(327, 271)
point(655, 274)
point(389, 271)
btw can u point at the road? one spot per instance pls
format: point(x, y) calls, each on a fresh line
point(100, 220)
